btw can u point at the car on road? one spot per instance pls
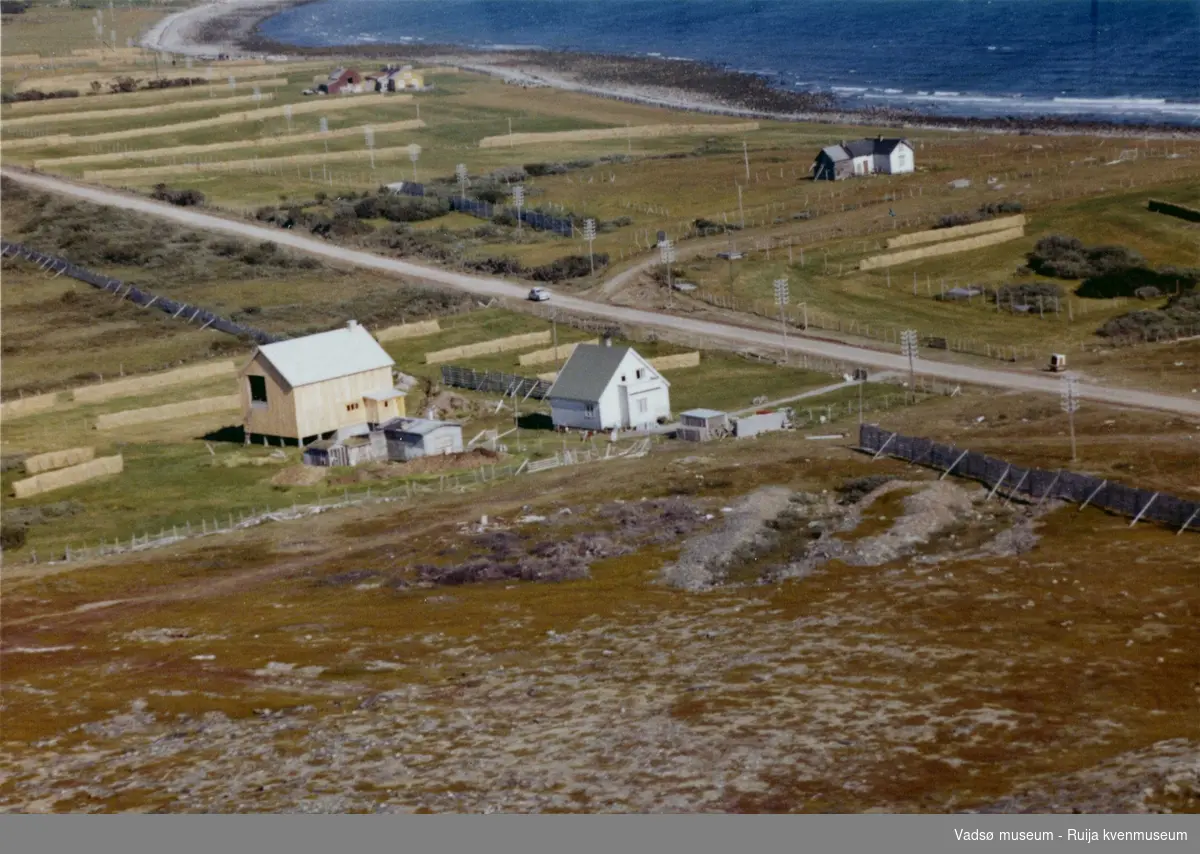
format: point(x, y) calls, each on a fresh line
point(539, 295)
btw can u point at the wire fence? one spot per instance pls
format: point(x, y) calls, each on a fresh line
point(1037, 484)
point(189, 314)
point(510, 385)
point(407, 492)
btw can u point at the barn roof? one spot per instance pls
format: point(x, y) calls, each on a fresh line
point(326, 355)
point(887, 146)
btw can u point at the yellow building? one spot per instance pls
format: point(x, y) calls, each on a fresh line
point(337, 382)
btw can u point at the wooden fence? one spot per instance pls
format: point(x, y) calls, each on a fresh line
point(70, 476)
point(632, 132)
point(125, 112)
point(409, 330)
point(150, 414)
point(58, 459)
point(181, 152)
point(551, 354)
point(938, 235)
point(136, 385)
point(486, 348)
point(26, 406)
point(948, 248)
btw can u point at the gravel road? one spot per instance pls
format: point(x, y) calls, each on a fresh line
point(718, 333)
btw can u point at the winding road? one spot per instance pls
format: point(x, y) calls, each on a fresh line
point(721, 334)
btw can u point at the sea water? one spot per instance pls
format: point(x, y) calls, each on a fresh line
point(1116, 60)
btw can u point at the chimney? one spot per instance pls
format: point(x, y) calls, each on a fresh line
point(351, 325)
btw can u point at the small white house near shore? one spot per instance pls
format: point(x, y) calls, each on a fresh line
point(603, 387)
point(864, 157)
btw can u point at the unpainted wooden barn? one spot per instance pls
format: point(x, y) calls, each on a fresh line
point(310, 388)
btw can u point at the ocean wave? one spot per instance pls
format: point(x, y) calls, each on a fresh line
point(1123, 106)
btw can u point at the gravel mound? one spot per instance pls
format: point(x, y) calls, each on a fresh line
point(704, 560)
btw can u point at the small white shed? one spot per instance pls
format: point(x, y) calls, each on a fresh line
point(604, 387)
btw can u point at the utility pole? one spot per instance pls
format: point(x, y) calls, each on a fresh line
point(460, 172)
point(1070, 403)
point(741, 210)
point(908, 347)
point(414, 152)
point(589, 234)
point(554, 334)
point(860, 374)
point(746, 158)
point(729, 253)
point(782, 297)
point(518, 194)
point(667, 254)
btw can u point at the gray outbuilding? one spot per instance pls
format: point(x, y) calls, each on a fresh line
point(410, 438)
point(700, 425)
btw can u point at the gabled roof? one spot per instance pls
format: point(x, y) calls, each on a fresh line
point(588, 372)
point(887, 146)
point(861, 147)
point(835, 153)
point(703, 413)
point(326, 355)
point(417, 426)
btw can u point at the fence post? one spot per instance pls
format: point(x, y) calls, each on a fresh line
point(1000, 481)
point(1015, 489)
point(1095, 492)
point(1144, 509)
point(953, 464)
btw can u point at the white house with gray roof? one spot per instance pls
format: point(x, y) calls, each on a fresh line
point(337, 382)
point(864, 157)
point(604, 387)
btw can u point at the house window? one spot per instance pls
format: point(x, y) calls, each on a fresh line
point(639, 373)
point(350, 407)
point(589, 410)
point(643, 404)
point(258, 389)
point(622, 378)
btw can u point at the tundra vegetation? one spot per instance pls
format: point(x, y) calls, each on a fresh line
point(738, 626)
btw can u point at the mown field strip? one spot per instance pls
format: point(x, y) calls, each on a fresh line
point(179, 151)
point(247, 116)
point(265, 163)
point(89, 115)
point(635, 131)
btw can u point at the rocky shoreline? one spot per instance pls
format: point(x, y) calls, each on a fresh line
point(233, 28)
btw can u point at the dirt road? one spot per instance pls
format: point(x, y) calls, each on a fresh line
point(718, 333)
